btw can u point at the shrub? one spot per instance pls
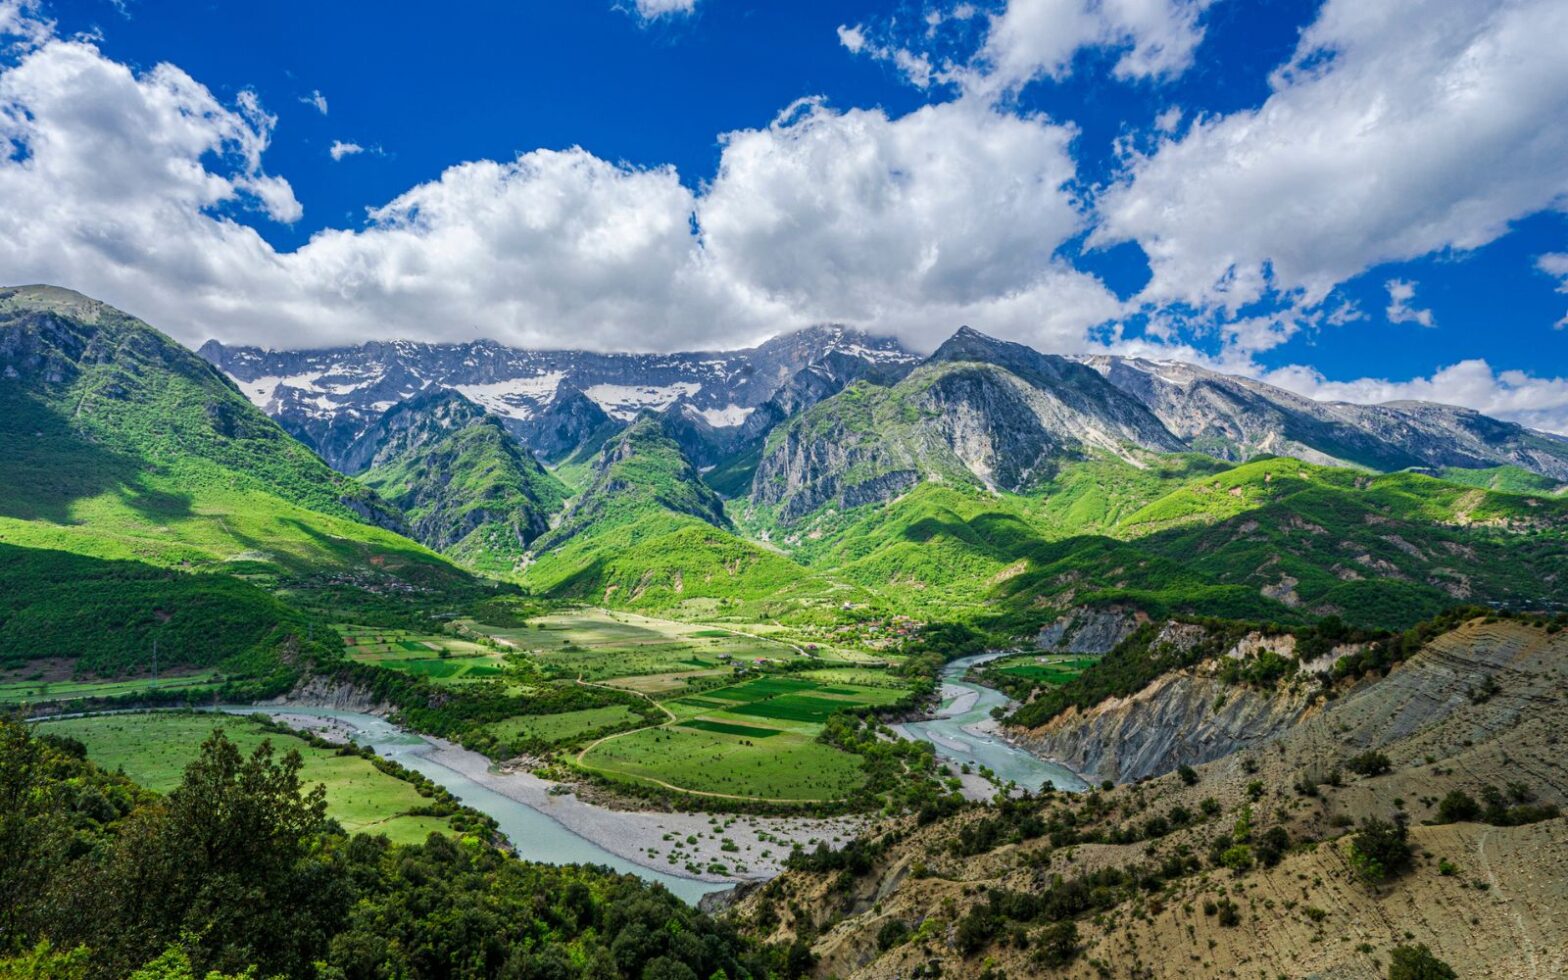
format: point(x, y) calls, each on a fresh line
point(1057, 944)
point(1188, 775)
point(1381, 850)
point(1369, 764)
point(1418, 963)
point(1458, 807)
point(892, 933)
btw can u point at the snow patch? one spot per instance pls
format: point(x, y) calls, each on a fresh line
point(625, 401)
point(727, 417)
point(517, 398)
point(261, 390)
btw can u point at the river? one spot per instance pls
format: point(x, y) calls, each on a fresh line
point(535, 836)
point(964, 732)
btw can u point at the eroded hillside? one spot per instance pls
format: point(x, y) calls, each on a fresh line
point(1254, 864)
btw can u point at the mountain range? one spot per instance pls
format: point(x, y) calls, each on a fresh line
point(984, 480)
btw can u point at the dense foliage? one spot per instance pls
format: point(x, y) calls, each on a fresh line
point(239, 868)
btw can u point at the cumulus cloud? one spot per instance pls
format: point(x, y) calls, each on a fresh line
point(1396, 130)
point(1401, 292)
point(1541, 403)
point(1024, 40)
point(316, 100)
point(947, 215)
point(651, 9)
point(1030, 39)
point(859, 217)
point(340, 149)
point(1555, 264)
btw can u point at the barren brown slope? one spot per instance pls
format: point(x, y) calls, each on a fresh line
point(1502, 912)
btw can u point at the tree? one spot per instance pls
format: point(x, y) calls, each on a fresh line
point(1380, 851)
point(1369, 763)
point(1418, 963)
point(1057, 944)
point(228, 859)
point(1458, 807)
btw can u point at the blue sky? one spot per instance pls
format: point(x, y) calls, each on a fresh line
point(1286, 188)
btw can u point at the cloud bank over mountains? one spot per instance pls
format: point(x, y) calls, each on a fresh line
point(1394, 131)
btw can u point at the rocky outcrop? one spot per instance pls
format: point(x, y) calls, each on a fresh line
point(1182, 718)
point(410, 426)
point(1090, 631)
point(1238, 418)
point(570, 423)
point(978, 411)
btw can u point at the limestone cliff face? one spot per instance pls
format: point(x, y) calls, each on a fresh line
point(1238, 418)
point(978, 411)
point(1183, 718)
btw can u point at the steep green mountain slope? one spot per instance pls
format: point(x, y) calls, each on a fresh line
point(474, 495)
point(1378, 550)
point(979, 412)
point(409, 426)
point(65, 616)
point(1273, 539)
point(123, 444)
point(646, 531)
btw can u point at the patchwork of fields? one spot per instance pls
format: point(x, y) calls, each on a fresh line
point(718, 715)
point(443, 659)
point(154, 748)
point(755, 739)
point(35, 687)
point(1048, 669)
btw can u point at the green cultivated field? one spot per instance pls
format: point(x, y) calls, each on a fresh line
point(787, 766)
point(752, 740)
point(568, 726)
point(599, 646)
point(25, 691)
point(1046, 670)
point(154, 749)
point(443, 659)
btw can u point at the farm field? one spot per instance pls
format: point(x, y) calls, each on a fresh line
point(442, 659)
point(34, 691)
point(732, 723)
point(154, 748)
point(755, 739)
point(566, 726)
point(784, 766)
point(1047, 669)
point(598, 645)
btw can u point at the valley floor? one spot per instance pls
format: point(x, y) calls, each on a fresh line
point(749, 848)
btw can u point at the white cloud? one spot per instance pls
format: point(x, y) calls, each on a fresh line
point(650, 9)
point(1555, 264)
point(1169, 120)
point(1030, 39)
point(917, 68)
point(316, 99)
point(915, 221)
point(1541, 403)
point(340, 149)
point(1400, 294)
point(21, 21)
point(947, 215)
point(1396, 130)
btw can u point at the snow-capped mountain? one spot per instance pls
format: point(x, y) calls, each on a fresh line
point(329, 398)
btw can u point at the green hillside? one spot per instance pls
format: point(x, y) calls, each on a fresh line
point(476, 496)
point(647, 532)
point(1271, 539)
point(122, 444)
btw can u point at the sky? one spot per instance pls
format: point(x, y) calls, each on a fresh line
point(1365, 201)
